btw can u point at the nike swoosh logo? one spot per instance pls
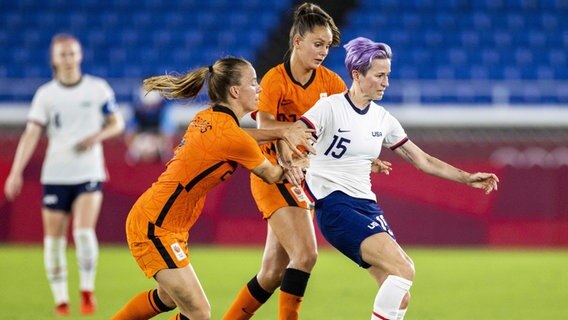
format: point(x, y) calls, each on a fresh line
point(341, 130)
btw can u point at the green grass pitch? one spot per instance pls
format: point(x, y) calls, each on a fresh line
point(450, 283)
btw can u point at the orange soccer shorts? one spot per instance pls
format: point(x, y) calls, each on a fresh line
point(271, 197)
point(155, 248)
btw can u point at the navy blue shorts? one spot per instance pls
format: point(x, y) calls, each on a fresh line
point(62, 196)
point(346, 221)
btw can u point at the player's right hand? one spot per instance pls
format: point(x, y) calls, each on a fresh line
point(13, 186)
point(294, 175)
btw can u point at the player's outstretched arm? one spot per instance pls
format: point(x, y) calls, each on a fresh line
point(436, 167)
point(271, 173)
point(294, 136)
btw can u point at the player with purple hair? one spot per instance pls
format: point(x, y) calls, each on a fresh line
point(350, 129)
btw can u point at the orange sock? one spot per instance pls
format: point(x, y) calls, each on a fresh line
point(289, 306)
point(250, 298)
point(143, 306)
point(294, 285)
point(179, 316)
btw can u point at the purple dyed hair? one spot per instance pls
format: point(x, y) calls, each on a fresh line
point(362, 51)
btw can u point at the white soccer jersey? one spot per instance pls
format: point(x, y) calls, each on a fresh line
point(70, 114)
point(348, 140)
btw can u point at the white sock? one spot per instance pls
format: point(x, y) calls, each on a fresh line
point(401, 313)
point(87, 248)
point(55, 262)
point(389, 298)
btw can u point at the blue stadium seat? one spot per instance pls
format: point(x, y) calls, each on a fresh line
point(133, 38)
point(545, 73)
point(481, 21)
point(557, 57)
point(486, 39)
point(451, 39)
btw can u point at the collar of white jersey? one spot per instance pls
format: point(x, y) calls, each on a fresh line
point(359, 111)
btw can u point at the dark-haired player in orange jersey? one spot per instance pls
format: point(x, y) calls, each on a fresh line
point(289, 90)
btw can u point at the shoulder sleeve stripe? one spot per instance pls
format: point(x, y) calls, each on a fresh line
point(110, 107)
point(310, 125)
point(400, 143)
point(307, 122)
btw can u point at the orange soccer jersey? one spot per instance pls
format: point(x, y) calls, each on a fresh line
point(288, 100)
point(212, 147)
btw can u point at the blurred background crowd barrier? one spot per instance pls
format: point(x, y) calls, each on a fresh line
point(480, 84)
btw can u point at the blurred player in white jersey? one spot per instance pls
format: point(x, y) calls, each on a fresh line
point(350, 130)
point(78, 112)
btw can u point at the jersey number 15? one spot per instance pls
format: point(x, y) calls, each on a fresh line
point(338, 147)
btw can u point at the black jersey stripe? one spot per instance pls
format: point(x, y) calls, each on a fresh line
point(179, 188)
point(160, 246)
point(287, 195)
point(168, 205)
point(202, 175)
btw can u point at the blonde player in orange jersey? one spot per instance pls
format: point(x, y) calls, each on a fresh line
point(209, 153)
point(289, 90)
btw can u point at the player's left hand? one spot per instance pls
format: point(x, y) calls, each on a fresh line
point(381, 166)
point(482, 180)
point(298, 136)
point(86, 144)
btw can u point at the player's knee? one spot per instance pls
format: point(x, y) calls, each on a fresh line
point(204, 314)
point(196, 310)
point(197, 307)
point(305, 261)
point(271, 277)
point(407, 270)
point(203, 311)
point(403, 269)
